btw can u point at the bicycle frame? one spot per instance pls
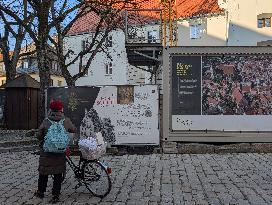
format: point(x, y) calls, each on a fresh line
point(80, 174)
point(76, 168)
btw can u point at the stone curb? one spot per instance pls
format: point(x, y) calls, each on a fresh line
point(18, 143)
point(19, 149)
point(195, 148)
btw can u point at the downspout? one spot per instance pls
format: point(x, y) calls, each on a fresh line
point(227, 28)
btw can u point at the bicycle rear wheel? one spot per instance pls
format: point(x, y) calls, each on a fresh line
point(96, 178)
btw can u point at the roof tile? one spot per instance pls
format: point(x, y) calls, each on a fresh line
point(185, 8)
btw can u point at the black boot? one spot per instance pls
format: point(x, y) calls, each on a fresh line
point(39, 194)
point(55, 199)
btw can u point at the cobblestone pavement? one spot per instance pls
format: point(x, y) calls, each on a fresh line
point(152, 179)
point(13, 135)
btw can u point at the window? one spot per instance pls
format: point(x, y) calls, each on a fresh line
point(83, 45)
point(3, 82)
point(108, 69)
point(264, 22)
point(109, 41)
point(59, 83)
point(268, 22)
point(2, 67)
point(51, 82)
point(55, 66)
point(25, 65)
point(132, 33)
point(195, 31)
point(152, 36)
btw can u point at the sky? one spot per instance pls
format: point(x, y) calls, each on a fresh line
point(28, 39)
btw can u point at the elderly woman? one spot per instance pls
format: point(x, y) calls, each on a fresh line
point(52, 163)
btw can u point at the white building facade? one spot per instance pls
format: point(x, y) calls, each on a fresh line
point(240, 23)
point(104, 70)
point(234, 23)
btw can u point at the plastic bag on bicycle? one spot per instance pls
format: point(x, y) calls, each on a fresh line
point(92, 147)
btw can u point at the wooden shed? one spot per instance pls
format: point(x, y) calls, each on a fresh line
point(22, 103)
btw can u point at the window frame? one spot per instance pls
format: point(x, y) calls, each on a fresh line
point(108, 68)
point(152, 39)
point(2, 66)
point(83, 45)
point(59, 83)
point(264, 22)
point(109, 41)
point(25, 63)
point(195, 31)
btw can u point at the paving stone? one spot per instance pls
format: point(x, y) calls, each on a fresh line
point(152, 179)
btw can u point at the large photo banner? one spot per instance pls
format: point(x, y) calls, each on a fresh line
point(123, 114)
point(235, 93)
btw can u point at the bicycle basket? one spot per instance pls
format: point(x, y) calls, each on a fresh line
point(92, 154)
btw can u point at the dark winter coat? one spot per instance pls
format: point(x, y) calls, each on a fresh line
point(52, 163)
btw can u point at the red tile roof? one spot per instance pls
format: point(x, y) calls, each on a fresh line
point(185, 8)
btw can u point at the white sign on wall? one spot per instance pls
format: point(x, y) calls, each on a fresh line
point(131, 113)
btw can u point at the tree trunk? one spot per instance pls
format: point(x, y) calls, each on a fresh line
point(10, 72)
point(70, 82)
point(44, 74)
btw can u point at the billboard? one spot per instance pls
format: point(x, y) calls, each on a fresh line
point(222, 92)
point(123, 114)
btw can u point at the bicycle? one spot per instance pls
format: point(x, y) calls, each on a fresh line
point(91, 172)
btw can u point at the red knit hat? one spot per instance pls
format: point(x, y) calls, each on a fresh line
point(56, 105)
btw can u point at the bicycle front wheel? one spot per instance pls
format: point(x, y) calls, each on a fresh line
point(96, 178)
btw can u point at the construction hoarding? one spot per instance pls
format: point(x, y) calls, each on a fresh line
point(123, 114)
point(218, 89)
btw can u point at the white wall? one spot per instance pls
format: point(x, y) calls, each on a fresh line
point(54, 78)
point(123, 72)
point(97, 72)
point(243, 29)
point(237, 27)
point(213, 31)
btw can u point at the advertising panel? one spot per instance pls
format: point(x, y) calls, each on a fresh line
point(235, 93)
